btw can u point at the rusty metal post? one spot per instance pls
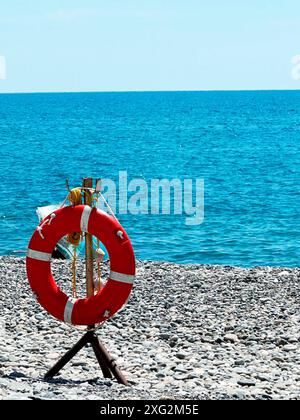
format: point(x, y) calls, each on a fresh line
point(67, 357)
point(111, 363)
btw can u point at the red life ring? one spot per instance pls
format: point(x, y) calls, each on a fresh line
point(115, 293)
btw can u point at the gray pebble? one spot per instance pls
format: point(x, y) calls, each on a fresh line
point(188, 332)
point(231, 338)
point(246, 382)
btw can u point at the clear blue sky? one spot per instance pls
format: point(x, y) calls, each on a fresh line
point(117, 45)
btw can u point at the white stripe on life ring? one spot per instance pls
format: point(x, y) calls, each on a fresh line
point(68, 311)
point(123, 278)
point(85, 219)
point(37, 255)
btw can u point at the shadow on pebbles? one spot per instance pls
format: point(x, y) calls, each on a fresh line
point(187, 332)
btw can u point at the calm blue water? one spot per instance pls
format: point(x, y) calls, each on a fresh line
point(245, 145)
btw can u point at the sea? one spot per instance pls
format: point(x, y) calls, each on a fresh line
point(245, 146)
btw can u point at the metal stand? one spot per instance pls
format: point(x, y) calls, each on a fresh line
point(107, 363)
point(108, 366)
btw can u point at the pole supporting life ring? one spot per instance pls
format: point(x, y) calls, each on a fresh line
point(115, 293)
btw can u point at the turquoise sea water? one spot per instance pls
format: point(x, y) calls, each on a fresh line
point(245, 145)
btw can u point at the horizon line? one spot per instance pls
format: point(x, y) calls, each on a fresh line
point(148, 91)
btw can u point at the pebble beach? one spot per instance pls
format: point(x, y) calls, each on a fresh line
point(188, 332)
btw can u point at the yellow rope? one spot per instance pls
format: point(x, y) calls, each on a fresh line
point(98, 270)
point(75, 199)
point(74, 238)
point(74, 271)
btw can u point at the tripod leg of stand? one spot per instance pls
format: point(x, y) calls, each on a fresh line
point(104, 367)
point(67, 357)
point(110, 362)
